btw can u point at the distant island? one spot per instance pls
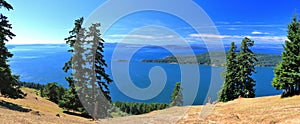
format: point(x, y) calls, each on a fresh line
point(121, 60)
point(264, 60)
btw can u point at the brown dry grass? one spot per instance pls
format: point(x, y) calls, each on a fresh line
point(263, 110)
point(47, 110)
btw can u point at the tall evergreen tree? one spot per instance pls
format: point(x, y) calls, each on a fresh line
point(70, 99)
point(177, 97)
point(8, 82)
point(246, 60)
point(102, 78)
point(88, 81)
point(287, 72)
point(229, 89)
point(97, 79)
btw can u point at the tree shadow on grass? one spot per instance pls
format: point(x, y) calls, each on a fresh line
point(12, 106)
point(77, 114)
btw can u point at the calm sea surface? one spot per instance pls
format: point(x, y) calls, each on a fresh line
point(43, 64)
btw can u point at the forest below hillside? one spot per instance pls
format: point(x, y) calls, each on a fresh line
point(264, 60)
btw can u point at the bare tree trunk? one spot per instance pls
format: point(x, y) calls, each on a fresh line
point(95, 116)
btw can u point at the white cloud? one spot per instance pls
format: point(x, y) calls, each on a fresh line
point(145, 38)
point(171, 38)
point(131, 36)
point(257, 32)
point(232, 29)
point(139, 36)
point(215, 36)
point(253, 26)
point(260, 39)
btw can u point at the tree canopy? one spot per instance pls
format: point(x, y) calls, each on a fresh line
point(70, 99)
point(88, 81)
point(53, 92)
point(246, 67)
point(9, 83)
point(238, 74)
point(229, 88)
point(287, 72)
point(177, 97)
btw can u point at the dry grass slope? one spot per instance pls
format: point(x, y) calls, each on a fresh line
point(42, 111)
point(264, 110)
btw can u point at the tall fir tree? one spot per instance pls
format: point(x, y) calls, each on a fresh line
point(287, 72)
point(8, 82)
point(177, 97)
point(70, 99)
point(90, 73)
point(100, 79)
point(246, 67)
point(88, 81)
point(229, 89)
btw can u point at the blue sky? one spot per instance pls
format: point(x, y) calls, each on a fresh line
point(48, 21)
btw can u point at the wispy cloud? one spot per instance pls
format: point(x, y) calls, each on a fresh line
point(135, 38)
point(232, 29)
point(258, 32)
point(252, 25)
point(145, 38)
point(260, 39)
point(131, 36)
point(139, 36)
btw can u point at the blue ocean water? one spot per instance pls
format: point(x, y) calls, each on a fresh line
point(43, 63)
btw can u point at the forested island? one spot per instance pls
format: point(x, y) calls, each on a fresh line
point(264, 60)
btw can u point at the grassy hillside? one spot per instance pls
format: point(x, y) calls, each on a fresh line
point(263, 110)
point(34, 109)
point(264, 60)
point(272, 109)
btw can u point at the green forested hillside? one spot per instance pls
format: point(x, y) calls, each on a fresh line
point(264, 60)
